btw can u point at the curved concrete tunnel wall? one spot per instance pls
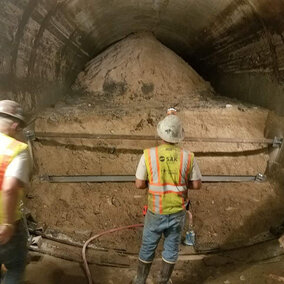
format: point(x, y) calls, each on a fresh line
point(236, 44)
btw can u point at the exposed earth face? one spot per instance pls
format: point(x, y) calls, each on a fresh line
point(127, 90)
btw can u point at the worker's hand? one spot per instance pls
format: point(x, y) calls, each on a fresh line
point(281, 241)
point(6, 233)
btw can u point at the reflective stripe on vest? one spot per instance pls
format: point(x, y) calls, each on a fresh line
point(9, 148)
point(168, 168)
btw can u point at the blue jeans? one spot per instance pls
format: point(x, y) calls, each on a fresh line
point(155, 226)
point(13, 255)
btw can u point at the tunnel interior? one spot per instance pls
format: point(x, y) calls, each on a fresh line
point(52, 51)
point(45, 44)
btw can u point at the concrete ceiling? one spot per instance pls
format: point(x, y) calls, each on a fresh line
point(176, 23)
point(44, 44)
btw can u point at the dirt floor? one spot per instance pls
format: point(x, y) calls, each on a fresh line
point(226, 215)
point(45, 269)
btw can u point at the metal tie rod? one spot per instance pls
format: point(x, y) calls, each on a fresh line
point(130, 178)
point(276, 141)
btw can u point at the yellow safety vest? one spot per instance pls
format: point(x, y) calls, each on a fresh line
point(168, 167)
point(9, 149)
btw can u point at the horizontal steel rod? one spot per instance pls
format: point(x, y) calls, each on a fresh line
point(129, 178)
point(43, 135)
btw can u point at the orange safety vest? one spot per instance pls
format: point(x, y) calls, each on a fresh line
point(9, 149)
point(168, 168)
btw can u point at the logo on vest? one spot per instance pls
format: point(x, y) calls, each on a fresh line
point(171, 159)
point(167, 159)
point(162, 158)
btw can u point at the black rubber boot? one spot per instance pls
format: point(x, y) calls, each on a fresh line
point(143, 270)
point(166, 272)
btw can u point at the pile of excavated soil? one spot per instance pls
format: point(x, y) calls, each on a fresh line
point(141, 70)
point(119, 100)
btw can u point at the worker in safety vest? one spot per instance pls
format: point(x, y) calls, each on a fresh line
point(168, 171)
point(14, 174)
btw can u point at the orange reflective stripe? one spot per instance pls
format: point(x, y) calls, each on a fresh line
point(162, 184)
point(166, 192)
point(159, 178)
point(180, 168)
point(2, 170)
point(150, 165)
point(158, 165)
point(4, 166)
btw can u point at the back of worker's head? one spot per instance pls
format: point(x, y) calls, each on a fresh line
point(170, 129)
point(11, 115)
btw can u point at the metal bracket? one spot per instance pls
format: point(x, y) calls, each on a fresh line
point(45, 178)
point(277, 142)
point(30, 135)
point(260, 177)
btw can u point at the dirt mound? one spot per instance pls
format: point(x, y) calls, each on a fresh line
point(138, 69)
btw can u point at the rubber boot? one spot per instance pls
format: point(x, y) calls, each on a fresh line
point(143, 270)
point(166, 272)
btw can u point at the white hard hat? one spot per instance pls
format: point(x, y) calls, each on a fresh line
point(170, 129)
point(11, 109)
point(171, 110)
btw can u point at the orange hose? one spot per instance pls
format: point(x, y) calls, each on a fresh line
point(86, 266)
